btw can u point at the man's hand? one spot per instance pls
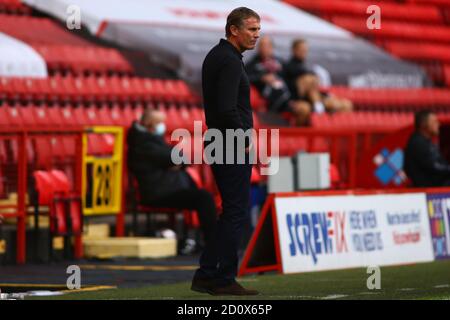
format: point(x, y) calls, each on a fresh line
point(176, 167)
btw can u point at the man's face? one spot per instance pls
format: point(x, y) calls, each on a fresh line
point(152, 120)
point(247, 34)
point(433, 124)
point(301, 51)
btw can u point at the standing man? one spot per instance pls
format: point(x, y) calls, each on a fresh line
point(226, 96)
point(424, 163)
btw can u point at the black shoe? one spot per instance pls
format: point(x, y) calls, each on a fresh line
point(203, 285)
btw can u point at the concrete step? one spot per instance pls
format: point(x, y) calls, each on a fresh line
point(96, 231)
point(129, 248)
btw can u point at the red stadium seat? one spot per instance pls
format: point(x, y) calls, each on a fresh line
point(96, 89)
point(38, 30)
point(396, 30)
point(447, 75)
point(198, 114)
point(53, 188)
point(44, 186)
point(80, 59)
point(424, 51)
point(186, 118)
point(173, 118)
point(10, 117)
point(405, 99)
point(256, 100)
point(438, 3)
point(390, 11)
point(14, 7)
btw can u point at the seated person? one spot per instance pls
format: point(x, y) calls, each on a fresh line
point(162, 183)
point(264, 71)
point(424, 164)
point(304, 84)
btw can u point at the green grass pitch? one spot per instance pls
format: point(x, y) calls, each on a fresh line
point(418, 281)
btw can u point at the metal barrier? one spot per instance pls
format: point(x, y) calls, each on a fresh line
point(94, 159)
point(22, 151)
point(346, 146)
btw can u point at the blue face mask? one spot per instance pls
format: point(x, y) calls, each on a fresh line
point(160, 128)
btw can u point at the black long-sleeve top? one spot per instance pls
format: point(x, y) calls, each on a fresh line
point(226, 89)
point(293, 69)
point(424, 164)
point(150, 161)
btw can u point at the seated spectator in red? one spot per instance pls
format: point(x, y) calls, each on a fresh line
point(166, 185)
point(424, 163)
point(305, 82)
point(264, 71)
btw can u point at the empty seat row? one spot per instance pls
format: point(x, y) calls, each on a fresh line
point(395, 30)
point(32, 116)
point(352, 120)
point(38, 30)
point(14, 6)
point(424, 51)
point(400, 99)
point(79, 59)
point(93, 88)
point(392, 11)
point(438, 3)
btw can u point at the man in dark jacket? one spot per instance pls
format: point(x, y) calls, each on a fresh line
point(305, 84)
point(265, 72)
point(164, 184)
point(424, 164)
point(226, 95)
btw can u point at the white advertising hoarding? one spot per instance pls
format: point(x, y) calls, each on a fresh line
point(337, 232)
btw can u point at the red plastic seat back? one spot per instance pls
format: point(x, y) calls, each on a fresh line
point(194, 173)
point(58, 223)
point(60, 181)
point(334, 175)
point(44, 186)
point(75, 215)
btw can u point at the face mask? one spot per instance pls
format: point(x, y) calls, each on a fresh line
point(160, 129)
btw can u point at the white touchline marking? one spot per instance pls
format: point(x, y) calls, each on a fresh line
point(334, 296)
point(407, 289)
point(442, 286)
point(292, 297)
point(368, 293)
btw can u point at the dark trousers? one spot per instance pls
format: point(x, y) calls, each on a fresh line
point(202, 201)
point(233, 182)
